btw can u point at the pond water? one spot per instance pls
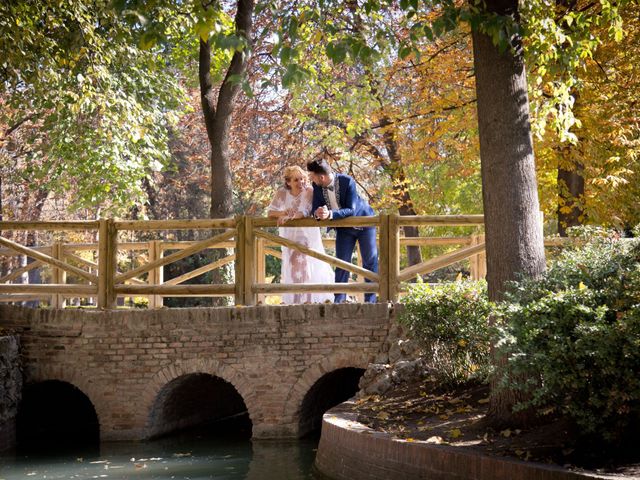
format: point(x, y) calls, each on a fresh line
point(186, 457)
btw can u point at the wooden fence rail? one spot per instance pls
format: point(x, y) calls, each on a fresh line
point(94, 266)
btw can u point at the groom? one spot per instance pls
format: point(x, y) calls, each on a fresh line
point(335, 197)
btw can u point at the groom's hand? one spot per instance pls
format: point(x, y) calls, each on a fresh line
point(322, 213)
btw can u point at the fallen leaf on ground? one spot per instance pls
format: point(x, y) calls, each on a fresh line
point(435, 439)
point(382, 416)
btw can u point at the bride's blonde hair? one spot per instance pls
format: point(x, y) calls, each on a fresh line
point(290, 172)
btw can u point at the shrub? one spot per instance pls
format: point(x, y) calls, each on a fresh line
point(450, 320)
point(574, 337)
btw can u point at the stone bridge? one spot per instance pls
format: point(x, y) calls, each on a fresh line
point(146, 373)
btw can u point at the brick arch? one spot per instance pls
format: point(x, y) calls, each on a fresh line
point(314, 373)
point(192, 366)
point(75, 378)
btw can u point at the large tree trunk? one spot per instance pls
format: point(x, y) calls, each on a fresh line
point(218, 111)
point(513, 228)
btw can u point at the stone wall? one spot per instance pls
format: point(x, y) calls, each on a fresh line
point(349, 450)
point(10, 388)
point(272, 355)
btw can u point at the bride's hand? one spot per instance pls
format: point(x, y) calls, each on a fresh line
point(283, 219)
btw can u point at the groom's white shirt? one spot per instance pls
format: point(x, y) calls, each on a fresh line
point(333, 200)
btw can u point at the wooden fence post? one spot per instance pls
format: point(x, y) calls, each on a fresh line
point(249, 262)
point(261, 266)
point(156, 274)
point(383, 258)
point(394, 257)
point(107, 262)
point(482, 260)
point(473, 261)
point(240, 260)
point(59, 275)
point(478, 262)
point(360, 295)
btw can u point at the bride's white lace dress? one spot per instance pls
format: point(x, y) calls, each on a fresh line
point(296, 266)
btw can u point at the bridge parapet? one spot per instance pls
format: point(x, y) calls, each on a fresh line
point(123, 359)
point(116, 267)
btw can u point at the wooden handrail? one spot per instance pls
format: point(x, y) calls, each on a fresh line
point(251, 244)
point(57, 225)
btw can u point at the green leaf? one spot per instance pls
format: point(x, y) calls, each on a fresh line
point(336, 51)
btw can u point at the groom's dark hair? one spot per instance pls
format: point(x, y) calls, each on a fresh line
point(319, 165)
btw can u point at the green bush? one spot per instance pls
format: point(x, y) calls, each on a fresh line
point(573, 337)
point(450, 320)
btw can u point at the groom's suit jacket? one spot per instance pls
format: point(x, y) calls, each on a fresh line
point(349, 202)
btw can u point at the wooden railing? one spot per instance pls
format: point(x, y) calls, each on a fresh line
point(97, 275)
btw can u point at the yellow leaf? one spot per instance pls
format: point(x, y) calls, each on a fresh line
point(506, 433)
point(455, 433)
point(581, 286)
point(484, 400)
point(382, 416)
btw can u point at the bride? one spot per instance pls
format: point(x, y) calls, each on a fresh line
point(292, 201)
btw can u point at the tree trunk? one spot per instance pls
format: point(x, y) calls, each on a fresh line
point(570, 170)
point(512, 219)
point(394, 166)
point(570, 193)
point(513, 230)
point(400, 193)
point(218, 111)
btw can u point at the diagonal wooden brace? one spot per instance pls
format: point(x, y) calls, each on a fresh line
point(320, 256)
point(440, 262)
point(196, 247)
point(48, 259)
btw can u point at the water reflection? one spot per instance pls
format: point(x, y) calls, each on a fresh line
point(173, 458)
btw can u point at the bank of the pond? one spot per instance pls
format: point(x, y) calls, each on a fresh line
point(349, 450)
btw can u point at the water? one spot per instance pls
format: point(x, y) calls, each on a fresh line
point(174, 458)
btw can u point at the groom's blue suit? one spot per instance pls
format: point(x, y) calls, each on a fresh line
point(349, 204)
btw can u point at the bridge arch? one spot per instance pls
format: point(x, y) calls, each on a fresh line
point(347, 363)
point(56, 415)
point(74, 377)
point(189, 375)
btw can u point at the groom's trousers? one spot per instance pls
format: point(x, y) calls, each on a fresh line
point(346, 239)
